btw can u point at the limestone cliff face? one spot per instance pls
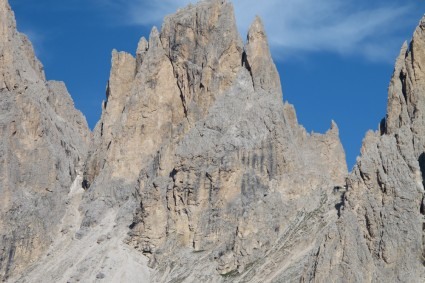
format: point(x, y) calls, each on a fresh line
point(259, 60)
point(172, 83)
point(196, 140)
point(198, 164)
point(43, 139)
point(380, 235)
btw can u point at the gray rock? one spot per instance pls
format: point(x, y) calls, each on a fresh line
point(259, 60)
point(199, 165)
point(43, 141)
point(195, 138)
point(379, 236)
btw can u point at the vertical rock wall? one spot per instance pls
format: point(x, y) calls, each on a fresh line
point(198, 159)
point(43, 141)
point(380, 235)
point(195, 128)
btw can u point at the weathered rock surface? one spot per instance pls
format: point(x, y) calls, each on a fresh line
point(259, 60)
point(198, 164)
point(196, 139)
point(43, 141)
point(380, 235)
point(101, 255)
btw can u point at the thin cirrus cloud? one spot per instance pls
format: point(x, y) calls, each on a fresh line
point(299, 27)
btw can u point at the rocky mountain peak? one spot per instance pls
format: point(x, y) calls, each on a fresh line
point(259, 61)
point(381, 229)
point(16, 66)
point(7, 20)
point(142, 47)
point(205, 49)
point(406, 102)
point(196, 123)
point(43, 144)
point(154, 40)
point(256, 30)
point(200, 170)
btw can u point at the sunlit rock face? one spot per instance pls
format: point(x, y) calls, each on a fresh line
point(195, 129)
point(380, 235)
point(43, 143)
point(198, 171)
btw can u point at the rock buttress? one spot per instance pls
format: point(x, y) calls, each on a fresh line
point(43, 142)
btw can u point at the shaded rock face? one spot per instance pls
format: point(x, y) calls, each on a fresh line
point(380, 235)
point(43, 139)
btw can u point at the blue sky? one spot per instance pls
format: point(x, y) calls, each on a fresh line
point(335, 57)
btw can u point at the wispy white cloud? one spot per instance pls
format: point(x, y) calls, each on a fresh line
point(347, 27)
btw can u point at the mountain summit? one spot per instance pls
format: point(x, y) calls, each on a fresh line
point(198, 171)
point(43, 145)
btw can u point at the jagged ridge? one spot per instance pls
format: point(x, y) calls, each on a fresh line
point(43, 143)
point(196, 160)
point(195, 127)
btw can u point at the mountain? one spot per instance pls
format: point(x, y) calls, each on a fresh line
point(43, 145)
point(196, 129)
point(198, 171)
point(381, 233)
